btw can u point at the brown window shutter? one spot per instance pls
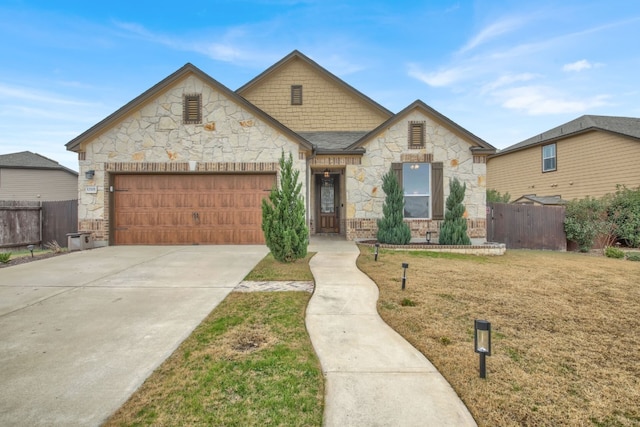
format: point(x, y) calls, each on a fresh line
point(296, 95)
point(397, 169)
point(437, 190)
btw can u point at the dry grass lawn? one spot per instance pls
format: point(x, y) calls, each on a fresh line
point(566, 331)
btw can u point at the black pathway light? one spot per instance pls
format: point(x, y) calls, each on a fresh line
point(404, 274)
point(31, 247)
point(376, 253)
point(482, 343)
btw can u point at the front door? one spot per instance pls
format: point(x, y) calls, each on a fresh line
point(328, 197)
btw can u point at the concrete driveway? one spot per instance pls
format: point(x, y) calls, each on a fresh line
point(79, 333)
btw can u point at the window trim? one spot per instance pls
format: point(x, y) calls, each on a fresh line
point(416, 129)
point(554, 157)
point(429, 193)
point(296, 94)
point(192, 108)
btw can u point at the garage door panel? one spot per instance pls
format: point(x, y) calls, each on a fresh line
point(189, 209)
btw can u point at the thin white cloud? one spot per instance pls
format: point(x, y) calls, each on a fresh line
point(541, 100)
point(507, 80)
point(26, 94)
point(445, 77)
point(578, 66)
point(491, 32)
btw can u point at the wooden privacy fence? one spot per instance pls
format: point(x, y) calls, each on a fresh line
point(522, 226)
point(25, 223)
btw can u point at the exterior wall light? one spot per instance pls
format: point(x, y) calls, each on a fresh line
point(404, 274)
point(327, 174)
point(89, 174)
point(376, 252)
point(482, 343)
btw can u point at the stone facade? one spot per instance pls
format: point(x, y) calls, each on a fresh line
point(364, 182)
point(153, 139)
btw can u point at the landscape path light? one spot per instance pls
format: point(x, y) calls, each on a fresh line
point(404, 274)
point(428, 236)
point(31, 247)
point(482, 343)
point(376, 253)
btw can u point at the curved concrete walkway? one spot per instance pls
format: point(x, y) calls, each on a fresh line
point(373, 376)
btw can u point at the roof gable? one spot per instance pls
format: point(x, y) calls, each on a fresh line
point(29, 160)
point(165, 84)
point(624, 126)
point(477, 144)
point(297, 55)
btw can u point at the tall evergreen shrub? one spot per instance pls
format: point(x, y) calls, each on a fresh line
point(454, 227)
point(283, 223)
point(391, 227)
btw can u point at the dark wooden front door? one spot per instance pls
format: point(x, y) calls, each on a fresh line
point(328, 203)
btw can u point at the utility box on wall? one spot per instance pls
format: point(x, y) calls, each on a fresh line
point(79, 241)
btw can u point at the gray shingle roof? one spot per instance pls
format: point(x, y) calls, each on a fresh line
point(328, 141)
point(543, 200)
point(29, 160)
point(626, 126)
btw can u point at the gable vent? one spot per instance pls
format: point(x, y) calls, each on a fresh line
point(296, 95)
point(192, 108)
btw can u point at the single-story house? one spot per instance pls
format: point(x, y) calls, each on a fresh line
point(189, 160)
point(588, 156)
point(29, 176)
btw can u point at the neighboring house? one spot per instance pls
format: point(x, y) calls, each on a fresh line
point(189, 161)
point(588, 156)
point(30, 176)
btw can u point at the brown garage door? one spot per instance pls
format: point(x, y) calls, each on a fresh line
point(189, 209)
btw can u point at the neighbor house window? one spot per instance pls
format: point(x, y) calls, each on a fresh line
point(549, 158)
point(296, 95)
point(416, 184)
point(192, 109)
point(416, 134)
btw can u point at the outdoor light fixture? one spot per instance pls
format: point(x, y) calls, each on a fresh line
point(428, 236)
point(326, 173)
point(376, 253)
point(89, 174)
point(404, 274)
point(31, 247)
point(482, 343)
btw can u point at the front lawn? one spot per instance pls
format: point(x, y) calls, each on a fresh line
point(566, 331)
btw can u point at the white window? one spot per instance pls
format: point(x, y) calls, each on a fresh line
point(549, 158)
point(416, 184)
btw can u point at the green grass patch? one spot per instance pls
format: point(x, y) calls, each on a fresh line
point(269, 269)
point(249, 363)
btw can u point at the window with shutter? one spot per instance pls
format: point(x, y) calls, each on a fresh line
point(296, 95)
point(424, 184)
point(416, 135)
point(192, 109)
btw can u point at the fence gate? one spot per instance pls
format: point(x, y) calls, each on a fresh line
point(522, 226)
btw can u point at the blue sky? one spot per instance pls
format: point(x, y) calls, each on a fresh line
point(504, 70)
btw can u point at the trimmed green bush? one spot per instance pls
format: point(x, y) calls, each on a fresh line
point(631, 256)
point(391, 227)
point(283, 222)
point(623, 211)
point(584, 220)
point(612, 252)
point(454, 227)
point(495, 197)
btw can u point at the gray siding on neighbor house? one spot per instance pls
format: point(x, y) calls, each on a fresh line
point(37, 184)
